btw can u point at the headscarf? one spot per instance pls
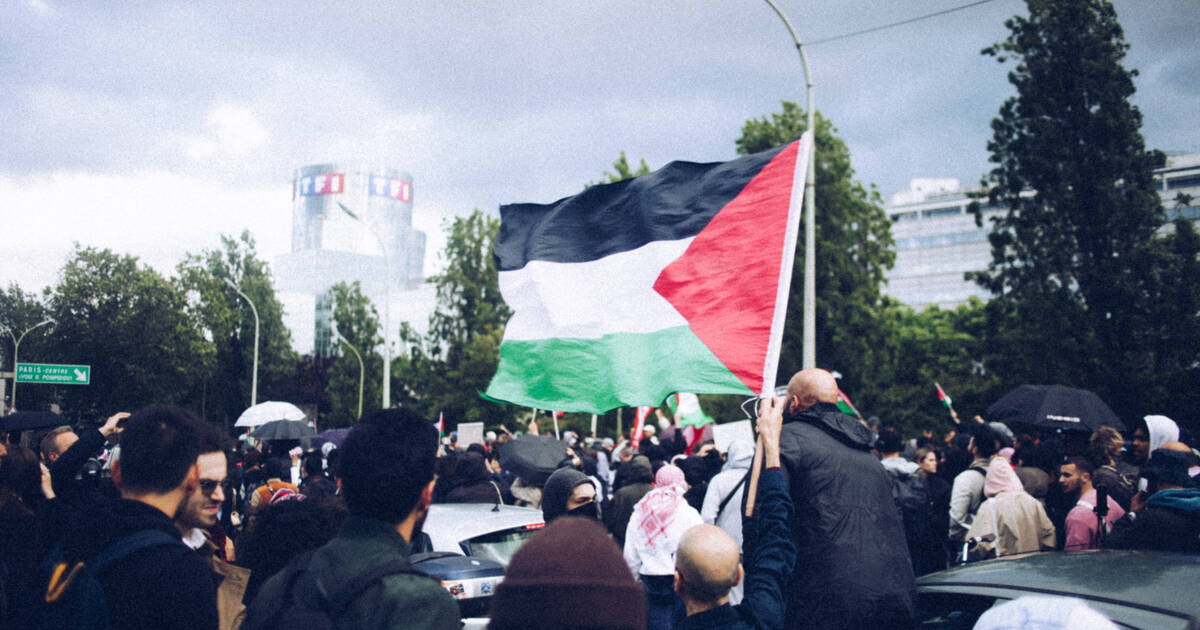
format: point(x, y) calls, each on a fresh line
point(1001, 478)
point(659, 505)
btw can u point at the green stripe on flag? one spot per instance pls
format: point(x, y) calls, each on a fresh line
point(619, 369)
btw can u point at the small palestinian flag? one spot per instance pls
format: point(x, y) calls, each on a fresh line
point(686, 407)
point(673, 281)
point(441, 424)
point(843, 403)
point(639, 424)
point(943, 397)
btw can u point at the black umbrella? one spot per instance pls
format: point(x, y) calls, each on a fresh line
point(25, 420)
point(283, 430)
point(1055, 407)
point(533, 457)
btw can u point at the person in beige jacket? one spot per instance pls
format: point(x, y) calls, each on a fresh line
point(1010, 520)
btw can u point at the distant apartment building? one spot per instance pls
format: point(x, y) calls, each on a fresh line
point(937, 240)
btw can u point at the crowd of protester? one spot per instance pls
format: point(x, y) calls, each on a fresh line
point(159, 520)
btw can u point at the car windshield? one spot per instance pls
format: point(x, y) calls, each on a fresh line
point(498, 546)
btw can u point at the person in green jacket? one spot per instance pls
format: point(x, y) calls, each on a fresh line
point(387, 471)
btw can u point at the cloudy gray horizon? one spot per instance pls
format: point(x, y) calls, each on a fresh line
point(152, 128)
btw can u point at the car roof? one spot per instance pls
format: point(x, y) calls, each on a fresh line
point(450, 523)
point(1145, 579)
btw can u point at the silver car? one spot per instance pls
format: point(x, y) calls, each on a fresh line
point(467, 547)
point(1134, 589)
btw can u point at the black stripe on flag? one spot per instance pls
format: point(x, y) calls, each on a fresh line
point(672, 203)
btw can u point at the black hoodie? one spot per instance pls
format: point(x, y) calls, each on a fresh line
point(852, 564)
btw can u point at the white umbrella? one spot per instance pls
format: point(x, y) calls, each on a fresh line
point(265, 412)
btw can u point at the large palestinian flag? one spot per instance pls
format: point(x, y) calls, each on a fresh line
point(676, 281)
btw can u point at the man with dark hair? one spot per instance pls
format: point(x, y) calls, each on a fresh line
point(315, 483)
point(197, 522)
point(852, 566)
point(966, 494)
point(161, 583)
point(386, 470)
point(1083, 527)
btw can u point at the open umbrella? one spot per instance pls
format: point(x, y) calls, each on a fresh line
point(283, 430)
point(268, 411)
point(1056, 407)
point(330, 436)
point(25, 420)
point(533, 457)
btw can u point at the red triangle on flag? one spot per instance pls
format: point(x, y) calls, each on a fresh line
point(725, 284)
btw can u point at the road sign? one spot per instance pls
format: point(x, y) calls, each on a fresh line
point(54, 373)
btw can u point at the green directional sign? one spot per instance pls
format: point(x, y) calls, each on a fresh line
point(54, 373)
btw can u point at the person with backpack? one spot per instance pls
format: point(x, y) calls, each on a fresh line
point(908, 490)
point(362, 577)
point(966, 493)
point(122, 563)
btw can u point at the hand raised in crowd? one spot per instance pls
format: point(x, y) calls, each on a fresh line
point(533, 429)
point(47, 486)
point(770, 425)
point(112, 426)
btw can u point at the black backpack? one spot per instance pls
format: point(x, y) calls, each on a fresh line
point(74, 597)
point(294, 612)
point(912, 501)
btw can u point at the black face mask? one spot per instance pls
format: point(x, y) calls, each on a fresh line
point(591, 510)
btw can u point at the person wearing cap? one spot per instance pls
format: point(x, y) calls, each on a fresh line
point(1166, 515)
point(544, 588)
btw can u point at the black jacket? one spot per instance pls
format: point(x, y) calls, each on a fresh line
point(164, 586)
point(852, 564)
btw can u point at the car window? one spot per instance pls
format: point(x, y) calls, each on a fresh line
point(497, 546)
point(952, 611)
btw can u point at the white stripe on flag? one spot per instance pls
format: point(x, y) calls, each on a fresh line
point(591, 299)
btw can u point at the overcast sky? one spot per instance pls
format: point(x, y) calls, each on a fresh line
point(152, 128)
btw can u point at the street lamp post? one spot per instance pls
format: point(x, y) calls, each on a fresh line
point(809, 358)
point(361, 372)
point(16, 350)
point(387, 305)
point(254, 375)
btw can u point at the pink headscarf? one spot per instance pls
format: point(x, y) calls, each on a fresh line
point(658, 506)
point(1001, 478)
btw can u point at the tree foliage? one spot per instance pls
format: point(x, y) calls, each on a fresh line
point(853, 239)
point(357, 323)
point(446, 370)
point(227, 320)
point(129, 324)
point(20, 312)
point(1078, 259)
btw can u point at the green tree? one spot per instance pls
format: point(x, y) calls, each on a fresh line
point(445, 371)
point(228, 320)
point(357, 323)
point(19, 312)
point(1075, 256)
point(854, 240)
point(129, 324)
point(622, 170)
